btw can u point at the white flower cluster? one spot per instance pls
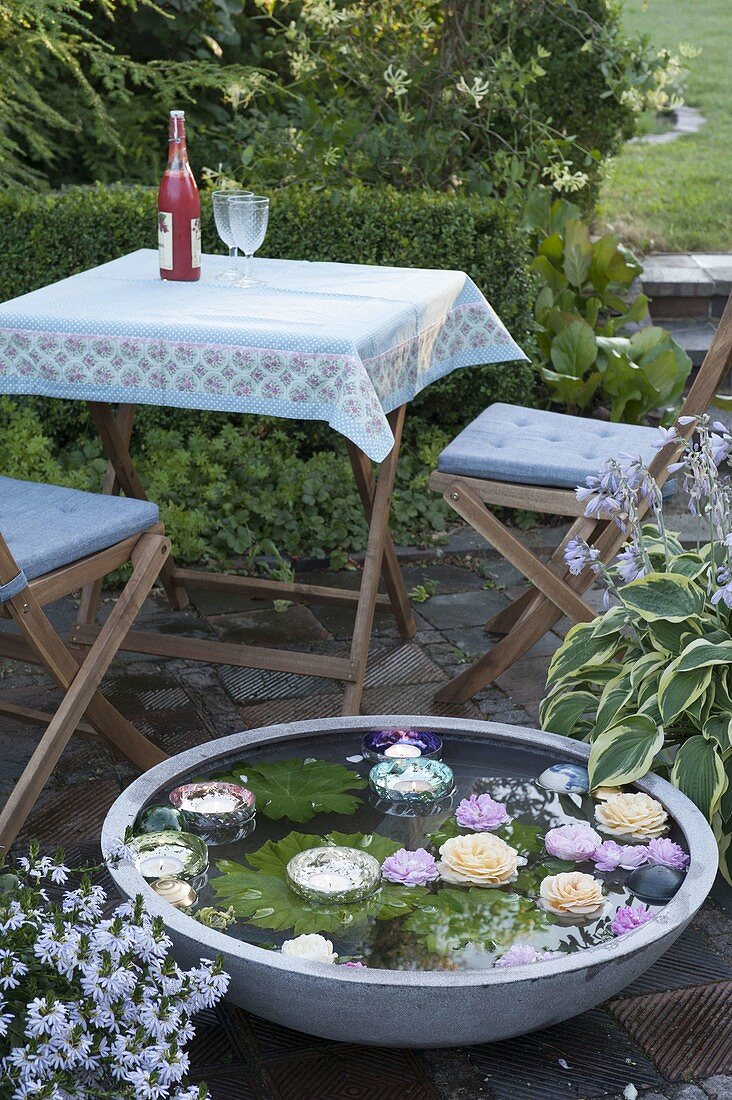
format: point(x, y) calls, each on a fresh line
point(92, 1005)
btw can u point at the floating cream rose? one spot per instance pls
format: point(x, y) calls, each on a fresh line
point(637, 816)
point(481, 859)
point(572, 894)
point(314, 947)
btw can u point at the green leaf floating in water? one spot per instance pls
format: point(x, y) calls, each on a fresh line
point(526, 839)
point(298, 789)
point(259, 893)
point(450, 919)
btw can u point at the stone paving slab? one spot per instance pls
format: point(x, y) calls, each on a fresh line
point(179, 704)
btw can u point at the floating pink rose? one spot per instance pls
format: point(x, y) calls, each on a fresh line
point(572, 842)
point(521, 954)
point(629, 917)
point(481, 813)
point(611, 855)
point(355, 965)
point(662, 852)
point(410, 868)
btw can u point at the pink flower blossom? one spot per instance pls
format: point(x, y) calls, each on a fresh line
point(574, 842)
point(610, 855)
point(521, 954)
point(662, 852)
point(410, 868)
point(629, 917)
point(481, 813)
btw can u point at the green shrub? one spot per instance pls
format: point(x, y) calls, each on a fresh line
point(225, 483)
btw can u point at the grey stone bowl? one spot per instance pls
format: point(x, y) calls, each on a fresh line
point(417, 1008)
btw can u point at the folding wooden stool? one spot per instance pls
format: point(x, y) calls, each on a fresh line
point(521, 458)
point(53, 541)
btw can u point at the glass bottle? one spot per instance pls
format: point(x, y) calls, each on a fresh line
point(179, 210)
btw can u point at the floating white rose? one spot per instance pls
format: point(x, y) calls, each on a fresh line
point(636, 816)
point(572, 894)
point(314, 947)
point(481, 859)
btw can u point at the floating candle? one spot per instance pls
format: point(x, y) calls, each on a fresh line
point(158, 865)
point(393, 744)
point(419, 780)
point(412, 786)
point(165, 854)
point(220, 812)
point(333, 874)
point(402, 750)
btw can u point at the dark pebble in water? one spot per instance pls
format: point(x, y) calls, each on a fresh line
point(655, 883)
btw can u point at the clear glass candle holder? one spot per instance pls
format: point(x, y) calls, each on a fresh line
point(416, 782)
point(401, 745)
point(333, 875)
point(220, 813)
point(169, 855)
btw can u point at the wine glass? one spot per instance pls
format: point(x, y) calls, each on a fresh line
point(248, 218)
point(221, 201)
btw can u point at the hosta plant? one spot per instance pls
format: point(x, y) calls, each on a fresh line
point(649, 682)
point(588, 355)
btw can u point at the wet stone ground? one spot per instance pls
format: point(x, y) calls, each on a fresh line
point(668, 1036)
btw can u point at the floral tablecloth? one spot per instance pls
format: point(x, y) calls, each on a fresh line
point(344, 343)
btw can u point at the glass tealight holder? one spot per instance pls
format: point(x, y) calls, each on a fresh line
point(418, 783)
point(170, 855)
point(401, 745)
point(176, 891)
point(334, 875)
point(159, 819)
point(220, 813)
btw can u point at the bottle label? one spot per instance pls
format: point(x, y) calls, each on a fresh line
point(165, 240)
point(195, 242)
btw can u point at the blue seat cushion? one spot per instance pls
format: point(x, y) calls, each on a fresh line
point(535, 447)
point(47, 526)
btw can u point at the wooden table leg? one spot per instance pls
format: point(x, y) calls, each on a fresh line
point(390, 566)
point(118, 453)
point(378, 535)
point(91, 594)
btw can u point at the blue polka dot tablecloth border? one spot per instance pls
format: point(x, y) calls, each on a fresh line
point(344, 343)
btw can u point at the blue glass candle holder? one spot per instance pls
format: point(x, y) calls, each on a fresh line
point(419, 782)
point(401, 745)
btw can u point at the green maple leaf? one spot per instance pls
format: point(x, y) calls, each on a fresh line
point(299, 789)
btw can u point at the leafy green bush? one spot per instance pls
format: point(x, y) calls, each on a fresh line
point(226, 483)
point(587, 356)
point(648, 682)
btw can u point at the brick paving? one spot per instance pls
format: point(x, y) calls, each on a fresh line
point(667, 1036)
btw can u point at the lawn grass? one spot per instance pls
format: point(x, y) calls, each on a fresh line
point(678, 196)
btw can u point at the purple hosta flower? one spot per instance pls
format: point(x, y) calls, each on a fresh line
point(663, 852)
point(521, 954)
point(629, 562)
point(578, 554)
point(572, 842)
point(629, 917)
point(720, 448)
point(481, 813)
point(610, 856)
point(666, 436)
point(724, 595)
point(410, 868)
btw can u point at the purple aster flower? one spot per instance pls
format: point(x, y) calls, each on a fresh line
point(610, 855)
point(575, 842)
point(662, 852)
point(354, 965)
point(521, 954)
point(629, 917)
point(481, 813)
point(410, 868)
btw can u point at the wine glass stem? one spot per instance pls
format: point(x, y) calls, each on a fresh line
point(233, 252)
point(248, 265)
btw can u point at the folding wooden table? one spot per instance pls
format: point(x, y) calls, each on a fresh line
point(344, 343)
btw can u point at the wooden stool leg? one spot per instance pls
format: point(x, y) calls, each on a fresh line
point(91, 594)
point(81, 683)
point(507, 617)
point(378, 534)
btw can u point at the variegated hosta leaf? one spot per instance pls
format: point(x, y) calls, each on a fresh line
point(701, 652)
point(666, 637)
point(691, 565)
point(625, 751)
point(718, 727)
point(612, 622)
point(561, 712)
point(678, 690)
point(668, 596)
point(614, 697)
point(644, 667)
point(580, 651)
point(698, 771)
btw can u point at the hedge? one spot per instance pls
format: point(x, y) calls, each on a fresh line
point(48, 237)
